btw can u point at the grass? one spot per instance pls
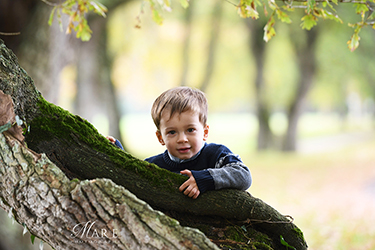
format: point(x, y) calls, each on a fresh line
point(331, 196)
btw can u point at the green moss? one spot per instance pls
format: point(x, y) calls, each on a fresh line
point(299, 233)
point(261, 246)
point(55, 122)
point(234, 233)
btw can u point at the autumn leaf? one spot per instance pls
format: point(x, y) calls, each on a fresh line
point(269, 31)
point(308, 21)
point(353, 43)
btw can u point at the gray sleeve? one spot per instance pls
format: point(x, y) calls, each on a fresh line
point(231, 175)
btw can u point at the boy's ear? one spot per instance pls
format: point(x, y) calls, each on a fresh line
point(160, 138)
point(205, 132)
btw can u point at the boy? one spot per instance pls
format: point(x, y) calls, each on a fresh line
point(180, 116)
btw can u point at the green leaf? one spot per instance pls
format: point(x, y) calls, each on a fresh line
point(50, 20)
point(184, 3)
point(84, 31)
point(329, 15)
point(361, 8)
point(308, 21)
point(32, 238)
point(283, 16)
point(157, 17)
point(353, 43)
point(5, 127)
point(310, 6)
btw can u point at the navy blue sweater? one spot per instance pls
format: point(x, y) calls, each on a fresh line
point(216, 167)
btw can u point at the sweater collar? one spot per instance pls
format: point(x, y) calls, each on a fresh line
point(178, 160)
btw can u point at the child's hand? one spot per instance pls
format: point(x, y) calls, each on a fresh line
point(189, 187)
point(111, 139)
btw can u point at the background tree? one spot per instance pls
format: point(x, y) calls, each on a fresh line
point(305, 50)
point(257, 46)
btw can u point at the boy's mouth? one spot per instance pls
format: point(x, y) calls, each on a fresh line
point(183, 150)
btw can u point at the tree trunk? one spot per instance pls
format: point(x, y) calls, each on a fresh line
point(186, 44)
point(214, 38)
point(93, 78)
point(81, 192)
point(307, 67)
point(257, 46)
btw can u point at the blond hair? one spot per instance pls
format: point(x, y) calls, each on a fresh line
point(180, 99)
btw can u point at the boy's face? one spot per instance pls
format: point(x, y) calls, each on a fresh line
point(183, 134)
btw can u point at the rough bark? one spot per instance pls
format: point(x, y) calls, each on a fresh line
point(90, 214)
point(77, 177)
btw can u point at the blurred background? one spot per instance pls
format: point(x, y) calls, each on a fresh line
point(299, 109)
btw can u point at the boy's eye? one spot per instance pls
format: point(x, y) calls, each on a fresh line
point(191, 130)
point(172, 132)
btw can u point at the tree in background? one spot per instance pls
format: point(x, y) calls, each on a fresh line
point(186, 43)
point(257, 47)
point(306, 62)
point(46, 54)
point(216, 18)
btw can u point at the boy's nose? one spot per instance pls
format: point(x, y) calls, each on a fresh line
point(182, 137)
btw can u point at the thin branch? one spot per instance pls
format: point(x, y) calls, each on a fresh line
point(50, 4)
point(231, 3)
point(10, 34)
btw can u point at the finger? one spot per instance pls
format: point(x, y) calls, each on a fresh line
point(188, 191)
point(183, 186)
point(186, 172)
point(196, 194)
